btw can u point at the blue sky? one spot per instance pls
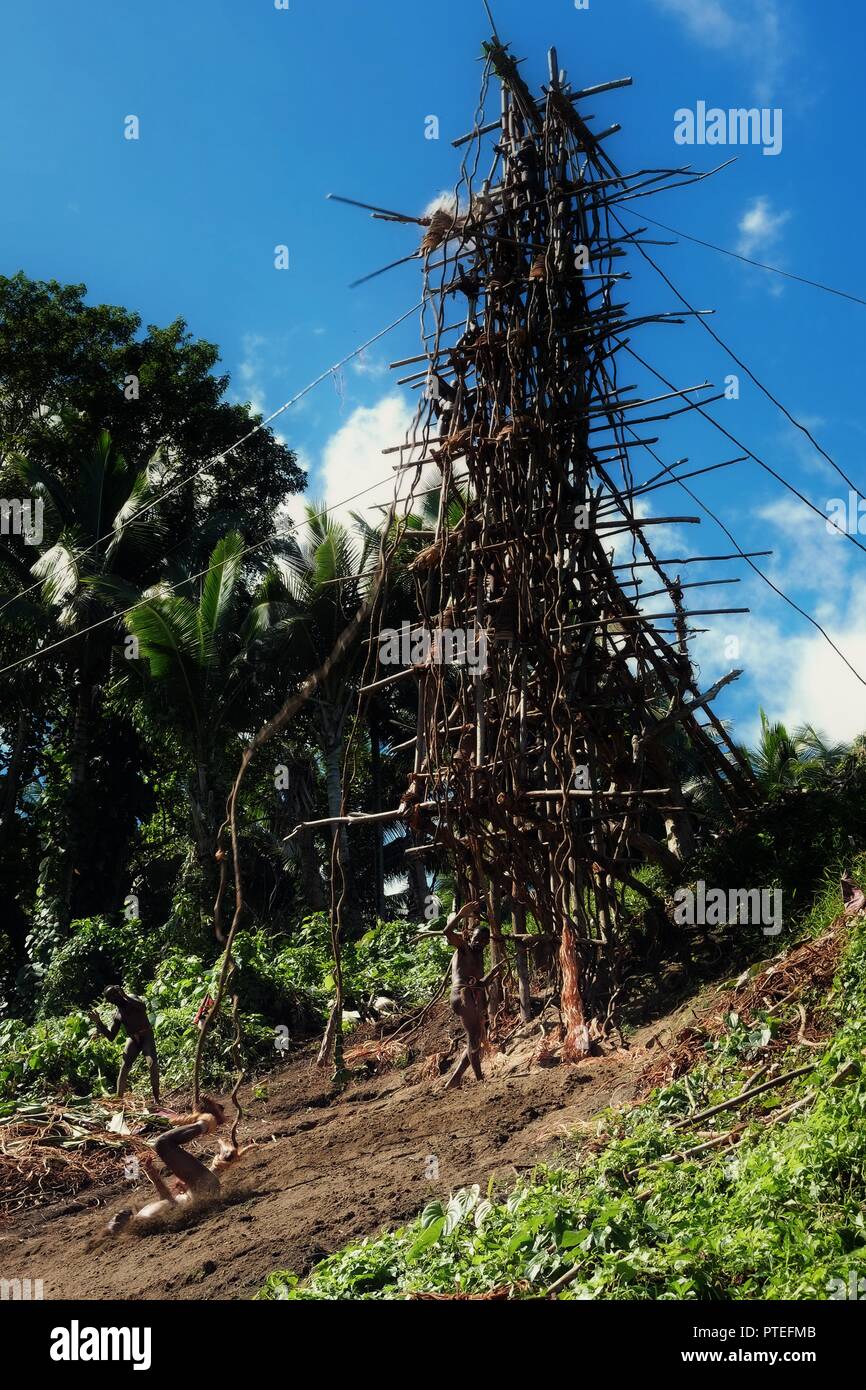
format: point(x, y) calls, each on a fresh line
point(249, 115)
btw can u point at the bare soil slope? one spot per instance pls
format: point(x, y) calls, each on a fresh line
point(326, 1170)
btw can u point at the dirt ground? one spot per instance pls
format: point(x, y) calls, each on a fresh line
point(326, 1170)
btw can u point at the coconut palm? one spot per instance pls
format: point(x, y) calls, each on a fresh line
point(99, 541)
point(818, 760)
point(803, 758)
point(198, 649)
point(326, 580)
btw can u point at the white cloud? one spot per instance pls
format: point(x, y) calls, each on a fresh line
point(809, 558)
point(706, 20)
point(292, 511)
point(801, 679)
point(250, 372)
point(352, 462)
point(443, 202)
point(755, 32)
point(789, 668)
point(760, 228)
point(365, 365)
point(824, 692)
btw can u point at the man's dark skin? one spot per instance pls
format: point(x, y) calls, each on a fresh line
point(132, 1015)
point(468, 988)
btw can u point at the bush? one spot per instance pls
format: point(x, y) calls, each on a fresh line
point(55, 1054)
point(99, 952)
point(278, 984)
point(388, 959)
point(266, 983)
point(788, 842)
point(177, 1039)
point(66, 1054)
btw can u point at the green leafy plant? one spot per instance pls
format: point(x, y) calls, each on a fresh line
point(778, 1217)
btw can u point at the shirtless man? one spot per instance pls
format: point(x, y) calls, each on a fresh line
point(468, 988)
point(132, 1015)
point(196, 1181)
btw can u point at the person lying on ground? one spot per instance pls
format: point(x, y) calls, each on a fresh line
point(131, 1014)
point(469, 987)
point(195, 1181)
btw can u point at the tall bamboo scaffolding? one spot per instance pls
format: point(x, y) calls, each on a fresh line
point(549, 777)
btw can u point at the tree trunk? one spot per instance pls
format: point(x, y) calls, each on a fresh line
point(518, 917)
point(80, 749)
point(495, 992)
point(666, 858)
point(14, 776)
point(300, 806)
point(679, 831)
point(332, 753)
point(312, 886)
point(379, 830)
point(419, 889)
point(201, 805)
point(576, 1042)
point(79, 757)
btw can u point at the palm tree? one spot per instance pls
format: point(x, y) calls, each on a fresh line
point(202, 649)
point(98, 541)
point(818, 759)
point(326, 580)
point(783, 760)
point(774, 758)
point(25, 700)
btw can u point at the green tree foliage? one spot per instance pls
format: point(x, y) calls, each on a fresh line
point(153, 391)
point(99, 419)
point(173, 619)
point(803, 758)
point(195, 660)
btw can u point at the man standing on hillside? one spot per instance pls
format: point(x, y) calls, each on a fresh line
point(131, 1014)
point(468, 987)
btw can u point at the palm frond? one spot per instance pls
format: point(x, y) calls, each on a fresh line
point(136, 519)
point(219, 593)
point(58, 510)
point(59, 572)
point(99, 473)
point(167, 630)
